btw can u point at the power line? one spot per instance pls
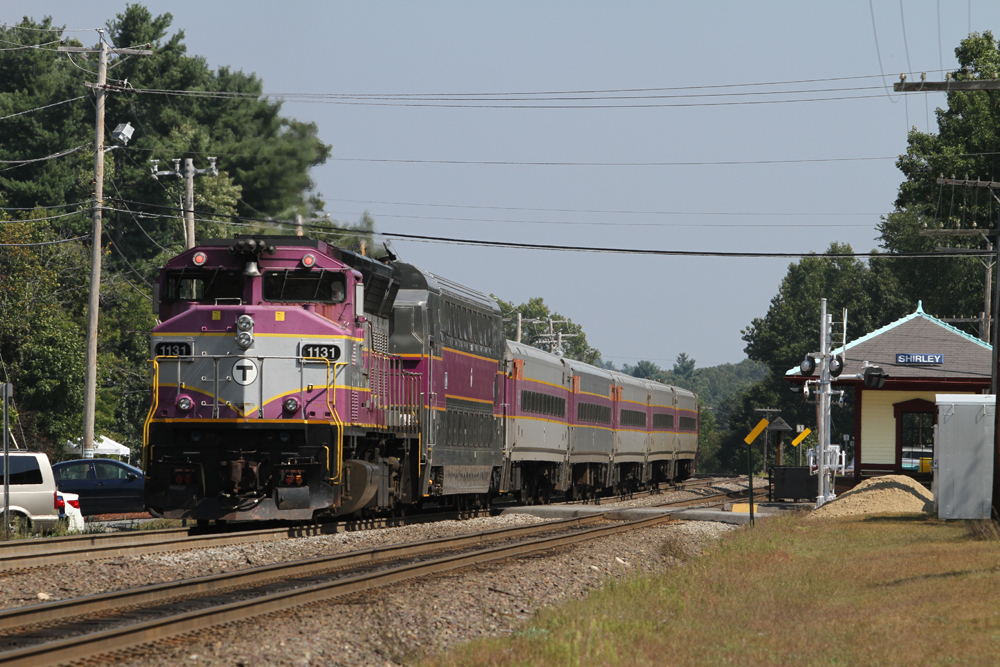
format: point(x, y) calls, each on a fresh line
point(718, 163)
point(878, 52)
point(924, 156)
point(18, 27)
point(613, 224)
point(51, 217)
point(47, 106)
point(593, 210)
point(671, 253)
point(347, 102)
point(534, 94)
point(32, 208)
point(21, 47)
point(541, 246)
point(28, 245)
point(21, 163)
point(558, 97)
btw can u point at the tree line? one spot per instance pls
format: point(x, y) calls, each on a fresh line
point(264, 158)
point(882, 289)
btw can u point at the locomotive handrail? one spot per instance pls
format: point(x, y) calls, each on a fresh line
point(152, 411)
point(330, 388)
point(394, 392)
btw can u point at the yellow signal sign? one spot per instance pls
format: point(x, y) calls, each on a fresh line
point(800, 437)
point(761, 425)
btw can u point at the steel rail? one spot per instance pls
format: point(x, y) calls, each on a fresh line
point(107, 641)
point(26, 554)
point(74, 607)
point(63, 609)
point(57, 551)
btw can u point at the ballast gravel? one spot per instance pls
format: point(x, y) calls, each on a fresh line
point(392, 625)
point(399, 624)
point(90, 577)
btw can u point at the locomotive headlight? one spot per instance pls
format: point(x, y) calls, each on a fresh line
point(291, 404)
point(244, 323)
point(244, 339)
point(184, 403)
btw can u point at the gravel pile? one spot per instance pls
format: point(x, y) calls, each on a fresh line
point(893, 494)
point(398, 624)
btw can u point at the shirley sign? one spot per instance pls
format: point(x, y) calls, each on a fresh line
point(903, 358)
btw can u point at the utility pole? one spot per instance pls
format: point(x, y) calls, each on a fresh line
point(6, 394)
point(994, 330)
point(518, 326)
point(188, 174)
point(93, 303)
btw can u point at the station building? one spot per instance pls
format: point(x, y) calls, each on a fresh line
point(894, 425)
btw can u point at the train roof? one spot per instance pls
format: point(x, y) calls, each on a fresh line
point(413, 277)
point(584, 369)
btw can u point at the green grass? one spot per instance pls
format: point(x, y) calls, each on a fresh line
point(905, 590)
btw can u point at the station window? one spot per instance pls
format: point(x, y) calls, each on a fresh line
point(916, 438)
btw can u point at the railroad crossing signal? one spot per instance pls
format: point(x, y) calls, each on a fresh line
point(761, 425)
point(874, 377)
point(800, 437)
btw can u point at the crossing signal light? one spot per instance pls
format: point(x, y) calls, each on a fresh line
point(874, 377)
point(836, 366)
point(808, 365)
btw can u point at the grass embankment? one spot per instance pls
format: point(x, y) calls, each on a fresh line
point(904, 590)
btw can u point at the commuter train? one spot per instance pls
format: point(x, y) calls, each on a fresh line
point(292, 379)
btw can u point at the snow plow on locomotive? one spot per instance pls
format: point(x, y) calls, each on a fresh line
point(292, 379)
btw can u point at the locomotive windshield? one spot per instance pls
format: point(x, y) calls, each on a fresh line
point(304, 286)
point(203, 286)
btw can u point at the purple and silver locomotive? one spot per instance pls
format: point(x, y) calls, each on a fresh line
point(293, 379)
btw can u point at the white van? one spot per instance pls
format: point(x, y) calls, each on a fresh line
point(33, 496)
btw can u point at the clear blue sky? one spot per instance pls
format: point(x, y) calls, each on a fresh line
point(631, 307)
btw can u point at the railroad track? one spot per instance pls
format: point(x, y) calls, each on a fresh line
point(24, 554)
point(83, 629)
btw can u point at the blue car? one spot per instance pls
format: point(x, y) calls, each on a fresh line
point(105, 486)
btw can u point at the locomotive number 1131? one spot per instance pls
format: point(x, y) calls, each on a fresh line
point(316, 350)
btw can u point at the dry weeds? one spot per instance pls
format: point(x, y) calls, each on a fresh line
point(886, 590)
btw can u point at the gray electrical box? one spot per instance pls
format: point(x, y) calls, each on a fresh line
point(963, 456)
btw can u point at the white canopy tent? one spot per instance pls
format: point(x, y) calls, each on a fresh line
point(103, 447)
